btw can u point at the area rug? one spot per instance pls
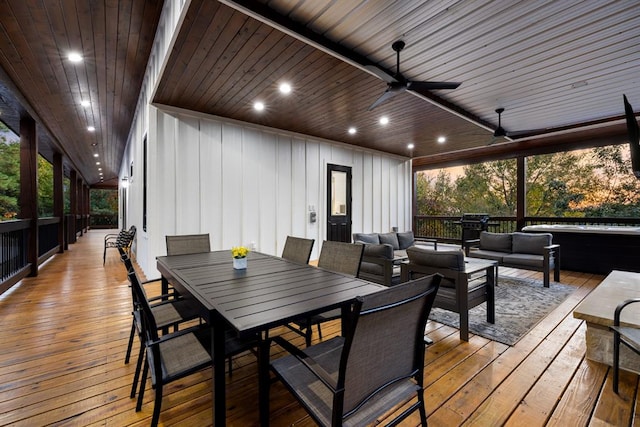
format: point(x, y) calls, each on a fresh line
point(520, 305)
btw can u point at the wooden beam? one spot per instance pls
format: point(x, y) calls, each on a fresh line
point(58, 197)
point(29, 187)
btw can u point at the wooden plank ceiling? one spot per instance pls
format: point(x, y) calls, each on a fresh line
point(558, 68)
point(115, 39)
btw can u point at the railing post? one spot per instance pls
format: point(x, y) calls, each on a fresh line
point(521, 192)
point(58, 197)
point(29, 187)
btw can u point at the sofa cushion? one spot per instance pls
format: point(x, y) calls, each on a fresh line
point(390, 238)
point(531, 243)
point(405, 239)
point(524, 260)
point(366, 237)
point(453, 260)
point(499, 242)
point(492, 255)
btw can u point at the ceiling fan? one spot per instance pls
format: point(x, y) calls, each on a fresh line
point(397, 83)
point(500, 132)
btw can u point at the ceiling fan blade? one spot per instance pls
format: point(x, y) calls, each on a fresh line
point(424, 86)
point(381, 74)
point(388, 94)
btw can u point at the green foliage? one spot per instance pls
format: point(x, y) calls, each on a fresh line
point(45, 188)
point(104, 201)
point(9, 179)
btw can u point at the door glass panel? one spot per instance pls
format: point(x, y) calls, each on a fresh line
point(338, 193)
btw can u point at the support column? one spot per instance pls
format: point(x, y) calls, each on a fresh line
point(29, 187)
point(73, 208)
point(521, 192)
point(58, 197)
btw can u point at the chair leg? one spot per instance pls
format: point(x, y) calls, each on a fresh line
point(104, 256)
point(157, 405)
point(423, 411)
point(143, 381)
point(616, 360)
point(136, 375)
point(130, 344)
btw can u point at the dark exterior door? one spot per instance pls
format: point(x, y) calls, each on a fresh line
point(338, 203)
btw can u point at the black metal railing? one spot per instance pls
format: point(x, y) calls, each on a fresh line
point(47, 235)
point(448, 228)
point(13, 247)
point(102, 220)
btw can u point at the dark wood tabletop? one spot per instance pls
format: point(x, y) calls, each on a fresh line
point(270, 292)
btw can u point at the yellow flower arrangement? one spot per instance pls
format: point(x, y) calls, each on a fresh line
point(239, 251)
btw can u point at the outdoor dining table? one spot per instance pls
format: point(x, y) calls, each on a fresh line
point(270, 292)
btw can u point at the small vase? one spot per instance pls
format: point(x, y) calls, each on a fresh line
point(240, 263)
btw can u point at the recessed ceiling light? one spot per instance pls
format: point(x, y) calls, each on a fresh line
point(97, 163)
point(285, 88)
point(99, 169)
point(95, 154)
point(93, 144)
point(442, 139)
point(91, 129)
point(410, 146)
point(85, 103)
point(384, 120)
point(352, 131)
point(258, 106)
point(74, 57)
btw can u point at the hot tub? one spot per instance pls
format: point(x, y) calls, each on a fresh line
point(593, 248)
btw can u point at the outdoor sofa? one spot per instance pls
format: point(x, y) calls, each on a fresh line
point(529, 251)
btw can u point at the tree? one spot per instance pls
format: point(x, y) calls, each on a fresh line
point(557, 183)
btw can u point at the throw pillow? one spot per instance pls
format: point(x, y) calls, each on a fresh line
point(391, 239)
point(366, 238)
point(531, 243)
point(499, 242)
point(405, 239)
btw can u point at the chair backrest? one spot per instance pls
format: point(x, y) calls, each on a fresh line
point(188, 244)
point(297, 249)
point(149, 325)
point(341, 257)
point(451, 260)
point(385, 341)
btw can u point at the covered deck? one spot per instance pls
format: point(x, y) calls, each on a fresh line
point(65, 336)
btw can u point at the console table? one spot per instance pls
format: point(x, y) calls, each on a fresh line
point(597, 311)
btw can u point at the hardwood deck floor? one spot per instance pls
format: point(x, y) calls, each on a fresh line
point(64, 335)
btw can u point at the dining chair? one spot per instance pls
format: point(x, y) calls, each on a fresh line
point(185, 244)
point(378, 364)
point(626, 335)
point(178, 354)
point(122, 240)
point(297, 249)
point(339, 257)
point(168, 311)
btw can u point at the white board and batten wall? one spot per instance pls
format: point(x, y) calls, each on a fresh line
point(250, 185)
